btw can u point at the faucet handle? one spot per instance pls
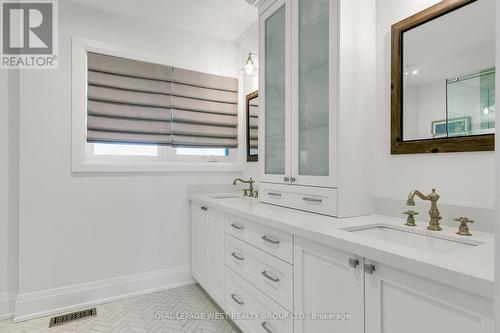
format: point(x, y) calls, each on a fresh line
point(245, 192)
point(410, 221)
point(463, 229)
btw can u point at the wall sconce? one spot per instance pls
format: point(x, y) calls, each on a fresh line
point(249, 67)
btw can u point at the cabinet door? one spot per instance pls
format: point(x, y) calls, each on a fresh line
point(215, 255)
point(198, 243)
point(274, 92)
point(398, 301)
point(327, 289)
point(314, 73)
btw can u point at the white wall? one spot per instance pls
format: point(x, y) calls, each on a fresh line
point(249, 42)
point(4, 180)
point(78, 228)
point(462, 179)
point(9, 139)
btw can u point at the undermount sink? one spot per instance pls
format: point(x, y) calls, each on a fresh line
point(422, 240)
point(227, 196)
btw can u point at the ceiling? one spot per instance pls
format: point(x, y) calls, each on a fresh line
point(222, 19)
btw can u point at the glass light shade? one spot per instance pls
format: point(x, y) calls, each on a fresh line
point(249, 69)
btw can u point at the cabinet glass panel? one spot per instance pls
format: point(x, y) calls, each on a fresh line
point(313, 88)
point(275, 93)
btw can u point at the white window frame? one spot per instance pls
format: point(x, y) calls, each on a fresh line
point(83, 157)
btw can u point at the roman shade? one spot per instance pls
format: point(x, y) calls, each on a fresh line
point(131, 101)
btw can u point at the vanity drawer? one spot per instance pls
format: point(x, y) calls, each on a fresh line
point(273, 241)
point(311, 199)
point(244, 300)
point(268, 273)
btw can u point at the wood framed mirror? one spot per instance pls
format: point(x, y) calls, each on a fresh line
point(252, 117)
point(443, 79)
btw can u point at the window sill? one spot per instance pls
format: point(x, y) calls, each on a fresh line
point(156, 166)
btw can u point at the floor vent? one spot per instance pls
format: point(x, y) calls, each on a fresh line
point(71, 317)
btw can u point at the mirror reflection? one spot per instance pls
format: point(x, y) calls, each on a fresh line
point(449, 74)
point(253, 126)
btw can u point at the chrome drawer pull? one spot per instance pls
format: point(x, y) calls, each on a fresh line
point(237, 226)
point(274, 194)
point(235, 255)
point(264, 326)
point(270, 240)
point(266, 275)
point(308, 199)
point(235, 298)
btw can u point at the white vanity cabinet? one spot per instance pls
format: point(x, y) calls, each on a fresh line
point(378, 298)
point(315, 87)
point(254, 268)
point(397, 301)
point(198, 242)
point(327, 283)
point(207, 249)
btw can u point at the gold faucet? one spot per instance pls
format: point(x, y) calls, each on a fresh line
point(247, 192)
point(433, 212)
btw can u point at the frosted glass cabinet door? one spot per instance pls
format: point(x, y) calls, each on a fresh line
point(274, 93)
point(312, 98)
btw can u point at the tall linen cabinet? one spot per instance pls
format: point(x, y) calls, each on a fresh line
point(317, 83)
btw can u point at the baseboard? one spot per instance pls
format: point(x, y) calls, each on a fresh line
point(70, 298)
point(7, 305)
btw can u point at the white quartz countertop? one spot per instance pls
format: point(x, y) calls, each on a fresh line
point(471, 269)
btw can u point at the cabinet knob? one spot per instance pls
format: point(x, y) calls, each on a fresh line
point(353, 262)
point(204, 207)
point(292, 179)
point(369, 269)
point(286, 179)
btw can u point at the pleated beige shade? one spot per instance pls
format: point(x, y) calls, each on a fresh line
point(132, 101)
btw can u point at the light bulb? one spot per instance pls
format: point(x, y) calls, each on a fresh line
point(415, 72)
point(486, 110)
point(249, 69)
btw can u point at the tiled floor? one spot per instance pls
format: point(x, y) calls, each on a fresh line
point(134, 315)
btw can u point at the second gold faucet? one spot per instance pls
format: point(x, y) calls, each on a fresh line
point(433, 212)
point(250, 192)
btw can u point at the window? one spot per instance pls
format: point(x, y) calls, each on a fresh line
point(203, 151)
point(113, 149)
point(104, 110)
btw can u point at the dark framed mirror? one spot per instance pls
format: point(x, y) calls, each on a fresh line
point(443, 79)
point(252, 112)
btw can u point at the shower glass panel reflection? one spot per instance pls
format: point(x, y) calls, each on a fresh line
point(470, 106)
